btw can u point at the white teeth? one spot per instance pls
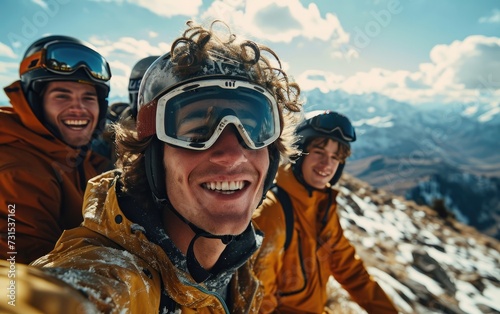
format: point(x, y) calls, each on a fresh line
point(76, 122)
point(322, 173)
point(224, 185)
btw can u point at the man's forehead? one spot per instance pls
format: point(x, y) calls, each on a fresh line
point(69, 86)
point(322, 142)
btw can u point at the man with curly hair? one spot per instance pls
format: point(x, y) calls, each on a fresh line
point(171, 230)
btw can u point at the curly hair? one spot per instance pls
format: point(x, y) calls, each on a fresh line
point(189, 53)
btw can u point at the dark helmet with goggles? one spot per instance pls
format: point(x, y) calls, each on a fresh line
point(191, 109)
point(328, 124)
point(63, 58)
point(134, 82)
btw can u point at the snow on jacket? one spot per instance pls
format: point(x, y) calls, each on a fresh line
point(295, 280)
point(42, 184)
point(112, 261)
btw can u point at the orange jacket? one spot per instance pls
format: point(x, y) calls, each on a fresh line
point(295, 280)
point(111, 259)
point(41, 184)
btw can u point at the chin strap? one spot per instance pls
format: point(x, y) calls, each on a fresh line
point(238, 247)
point(227, 256)
point(197, 271)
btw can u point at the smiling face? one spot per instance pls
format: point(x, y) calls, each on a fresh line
point(321, 162)
point(73, 109)
point(217, 189)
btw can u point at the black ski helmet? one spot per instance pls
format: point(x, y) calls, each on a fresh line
point(162, 77)
point(78, 62)
point(327, 124)
point(116, 111)
point(203, 65)
point(135, 80)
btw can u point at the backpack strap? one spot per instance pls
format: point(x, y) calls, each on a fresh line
point(286, 204)
point(167, 304)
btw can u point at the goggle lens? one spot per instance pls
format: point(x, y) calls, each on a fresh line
point(331, 122)
point(66, 58)
point(195, 118)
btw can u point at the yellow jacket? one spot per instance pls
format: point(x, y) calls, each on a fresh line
point(42, 182)
point(112, 261)
point(295, 280)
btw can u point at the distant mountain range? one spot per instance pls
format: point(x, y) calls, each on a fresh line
point(400, 147)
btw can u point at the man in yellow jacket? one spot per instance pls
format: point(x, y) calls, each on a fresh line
point(58, 107)
point(295, 264)
point(171, 231)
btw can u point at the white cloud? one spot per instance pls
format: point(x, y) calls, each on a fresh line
point(6, 51)
point(122, 55)
point(323, 80)
point(278, 20)
point(129, 47)
point(120, 77)
point(465, 71)
point(494, 18)
point(466, 64)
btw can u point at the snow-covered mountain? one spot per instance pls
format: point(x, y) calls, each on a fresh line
point(474, 200)
point(401, 146)
point(425, 263)
point(394, 129)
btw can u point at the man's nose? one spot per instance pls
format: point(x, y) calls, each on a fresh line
point(77, 104)
point(227, 150)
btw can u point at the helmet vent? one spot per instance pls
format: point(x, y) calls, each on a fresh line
point(33, 63)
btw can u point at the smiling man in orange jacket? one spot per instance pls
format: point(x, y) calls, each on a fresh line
point(58, 107)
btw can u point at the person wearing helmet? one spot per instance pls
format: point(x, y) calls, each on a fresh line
point(105, 143)
point(171, 230)
point(135, 79)
point(58, 106)
point(300, 216)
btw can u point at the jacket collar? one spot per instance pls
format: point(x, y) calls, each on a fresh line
point(103, 215)
point(287, 180)
point(19, 124)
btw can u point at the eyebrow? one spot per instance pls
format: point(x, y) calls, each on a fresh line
point(67, 90)
point(318, 146)
point(323, 148)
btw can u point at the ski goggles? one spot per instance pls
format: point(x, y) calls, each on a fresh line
point(193, 116)
point(333, 122)
point(66, 58)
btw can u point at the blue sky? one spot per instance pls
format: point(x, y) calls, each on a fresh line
point(417, 51)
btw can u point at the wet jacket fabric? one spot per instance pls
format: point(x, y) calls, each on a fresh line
point(111, 260)
point(295, 280)
point(42, 181)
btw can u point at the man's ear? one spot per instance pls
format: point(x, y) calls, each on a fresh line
point(338, 174)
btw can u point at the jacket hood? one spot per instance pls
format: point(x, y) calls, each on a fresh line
point(20, 125)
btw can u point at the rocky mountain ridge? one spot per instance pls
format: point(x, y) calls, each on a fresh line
point(425, 263)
